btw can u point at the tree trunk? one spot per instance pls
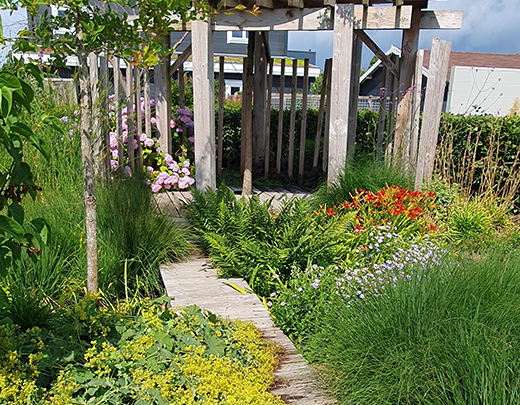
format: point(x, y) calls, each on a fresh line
point(89, 196)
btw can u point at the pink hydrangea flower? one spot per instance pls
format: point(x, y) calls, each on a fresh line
point(168, 159)
point(167, 186)
point(128, 171)
point(183, 183)
point(174, 167)
point(190, 180)
point(191, 139)
point(172, 123)
point(113, 164)
point(149, 142)
point(185, 171)
point(186, 163)
point(149, 169)
point(156, 187)
point(143, 137)
point(136, 144)
point(114, 153)
point(153, 121)
point(124, 137)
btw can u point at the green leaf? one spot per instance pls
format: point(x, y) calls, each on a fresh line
point(22, 174)
point(41, 228)
point(35, 71)
point(6, 96)
point(26, 46)
point(215, 345)
point(3, 299)
point(23, 130)
point(12, 227)
point(15, 211)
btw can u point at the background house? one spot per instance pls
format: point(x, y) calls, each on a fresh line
point(477, 83)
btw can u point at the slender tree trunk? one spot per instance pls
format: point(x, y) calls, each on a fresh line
point(89, 196)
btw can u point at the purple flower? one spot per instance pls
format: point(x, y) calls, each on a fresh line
point(156, 187)
point(76, 113)
point(149, 169)
point(149, 142)
point(113, 164)
point(185, 171)
point(168, 159)
point(128, 171)
point(185, 112)
point(153, 121)
point(135, 143)
point(191, 139)
point(172, 123)
point(143, 137)
point(186, 163)
point(64, 119)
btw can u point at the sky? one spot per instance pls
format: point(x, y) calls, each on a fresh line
point(491, 26)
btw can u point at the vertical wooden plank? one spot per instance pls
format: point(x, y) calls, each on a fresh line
point(203, 105)
point(147, 106)
point(280, 119)
point(139, 117)
point(340, 85)
point(243, 114)
point(98, 148)
point(409, 46)
point(162, 86)
point(438, 69)
point(182, 102)
point(220, 128)
point(259, 105)
point(117, 93)
point(292, 121)
point(394, 86)
point(354, 95)
point(130, 95)
point(247, 121)
point(382, 116)
point(416, 108)
point(105, 86)
point(303, 128)
point(267, 146)
point(326, 130)
point(319, 128)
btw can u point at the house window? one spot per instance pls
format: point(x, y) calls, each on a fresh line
point(237, 37)
point(233, 86)
point(60, 11)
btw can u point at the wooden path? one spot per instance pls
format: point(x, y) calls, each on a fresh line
point(196, 283)
point(172, 201)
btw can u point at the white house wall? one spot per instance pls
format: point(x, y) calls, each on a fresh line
point(482, 90)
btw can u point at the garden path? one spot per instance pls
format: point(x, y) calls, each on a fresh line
point(195, 282)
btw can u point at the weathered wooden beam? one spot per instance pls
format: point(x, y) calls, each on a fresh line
point(416, 108)
point(340, 83)
point(147, 106)
point(247, 118)
point(319, 127)
point(312, 19)
point(162, 87)
point(138, 118)
point(292, 121)
point(377, 51)
point(439, 62)
point(180, 60)
point(441, 19)
point(295, 3)
point(220, 128)
point(409, 46)
point(354, 95)
point(326, 129)
point(203, 105)
point(280, 118)
point(303, 127)
point(98, 146)
point(265, 3)
point(259, 105)
point(268, 118)
point(117, 94)
point(130, 128)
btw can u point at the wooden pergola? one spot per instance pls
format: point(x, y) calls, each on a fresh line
point(349, 20)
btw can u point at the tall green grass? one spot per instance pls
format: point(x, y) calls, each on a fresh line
point(451, 338)
point(367, 174)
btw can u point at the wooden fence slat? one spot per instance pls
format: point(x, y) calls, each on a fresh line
point(268, 119)
point(438, 69)
point(303, 128)
point(326, 131)
point(247, 121)
point(317, 140)
point(416, 109)
point(117, 93)
point(220, 127)
point(130, 93)
point(394, 88)
point(98, 147)
point(162, 87)
point(292, 121)
point(259, 105)
point(103, 71)
point(139, 118)
point(354, 95)
point(382, 115)
point(280, 119)
point(147, 106)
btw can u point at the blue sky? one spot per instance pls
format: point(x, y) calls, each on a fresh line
point(491, 26)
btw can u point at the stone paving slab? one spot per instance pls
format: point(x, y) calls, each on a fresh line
point(195, 282)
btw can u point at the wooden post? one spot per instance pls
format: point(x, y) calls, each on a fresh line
point(117, 93)
point(340, 84)
point(203, 105)
point(268, 119)
point(354, 95)
point(416, 109)
point(259, 105)
point(162, 85)
point(292, 121)
point(182, 102)
point(147, 106)
point(220, 129)
point(98, 144)
point(382, 116)
point(438, 69)
point(394, 86)
point(139, 118)
point(407, 68)
point(326, 130)
point(303, 128)
point(280, 119)
point(103, 71)
point(247, 120)
point(130, 93)
point(319, 128)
